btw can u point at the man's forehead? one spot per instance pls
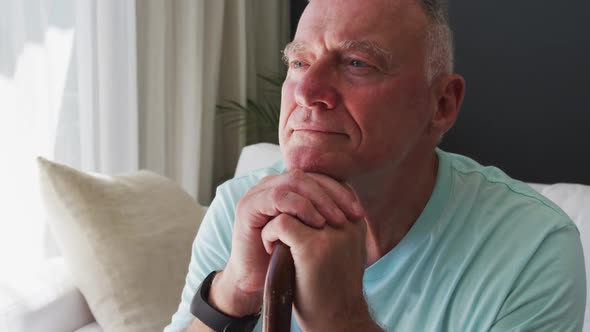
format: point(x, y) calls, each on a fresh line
point(366, 24)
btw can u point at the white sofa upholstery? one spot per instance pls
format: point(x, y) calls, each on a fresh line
point(44, 299)
point(47, 300)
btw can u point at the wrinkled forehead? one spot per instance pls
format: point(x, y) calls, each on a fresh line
point(382, 21)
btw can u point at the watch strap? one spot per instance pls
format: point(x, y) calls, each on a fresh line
point(215, 319)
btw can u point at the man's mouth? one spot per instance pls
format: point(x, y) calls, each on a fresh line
point(318, 131)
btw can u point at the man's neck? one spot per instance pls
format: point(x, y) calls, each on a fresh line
point(394, 200)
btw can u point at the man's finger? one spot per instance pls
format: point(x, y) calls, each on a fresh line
point(285, 228)
point(299, 207)
point(301, 183)
point(342, 195)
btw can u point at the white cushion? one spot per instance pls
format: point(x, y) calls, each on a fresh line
point(126, 240)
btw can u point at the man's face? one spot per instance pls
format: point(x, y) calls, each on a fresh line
point(356, 98)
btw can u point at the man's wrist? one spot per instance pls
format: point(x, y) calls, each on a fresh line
point(228, 298)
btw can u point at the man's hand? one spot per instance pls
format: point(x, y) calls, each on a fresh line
point(313, 200)
point(329, 265)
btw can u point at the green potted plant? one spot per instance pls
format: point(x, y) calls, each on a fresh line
point(257, 120)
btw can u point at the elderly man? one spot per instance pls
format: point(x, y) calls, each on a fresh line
point(387, 231)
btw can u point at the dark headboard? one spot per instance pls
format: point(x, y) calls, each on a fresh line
point(527, 67)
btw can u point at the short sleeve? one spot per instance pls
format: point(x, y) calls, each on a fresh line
point(210, 252)
point(550, 293)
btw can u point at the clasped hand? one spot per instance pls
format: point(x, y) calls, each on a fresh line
point(323, 223)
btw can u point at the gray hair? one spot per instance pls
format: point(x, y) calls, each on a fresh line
point(439, 39)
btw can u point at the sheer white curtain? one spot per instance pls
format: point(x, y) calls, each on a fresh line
point(116, 85)
point(107, 85)
point(68, 93)
point(36, 46)
point(193, 55)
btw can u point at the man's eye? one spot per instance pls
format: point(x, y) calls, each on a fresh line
point(358, 63)
point(297, 64)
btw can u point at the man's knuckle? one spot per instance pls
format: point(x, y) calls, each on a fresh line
point(301, 204)
point(278, 193)
point(295, 178)
point(242, 203)
point(282, 222)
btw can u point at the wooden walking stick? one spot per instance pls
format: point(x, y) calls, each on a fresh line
point(278, 290)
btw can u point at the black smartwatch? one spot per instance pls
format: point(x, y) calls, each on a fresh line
point(215, 319)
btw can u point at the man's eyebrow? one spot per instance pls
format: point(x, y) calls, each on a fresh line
point(291, 48)
point(366, 46)
point(369, 47)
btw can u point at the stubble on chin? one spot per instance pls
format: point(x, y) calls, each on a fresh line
point(309, 159)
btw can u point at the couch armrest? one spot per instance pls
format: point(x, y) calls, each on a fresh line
point(44, 299)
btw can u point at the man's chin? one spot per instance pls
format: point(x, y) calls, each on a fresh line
point(309, 159)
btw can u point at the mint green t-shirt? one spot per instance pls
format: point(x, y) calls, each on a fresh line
point(488, 253)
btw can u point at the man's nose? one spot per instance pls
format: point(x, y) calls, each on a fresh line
point(317, 88)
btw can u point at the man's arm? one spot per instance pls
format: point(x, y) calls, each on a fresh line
point(550, 293)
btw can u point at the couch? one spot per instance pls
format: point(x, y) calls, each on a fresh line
point(54, 304)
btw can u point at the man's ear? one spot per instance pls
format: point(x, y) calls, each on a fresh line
point(449, 92)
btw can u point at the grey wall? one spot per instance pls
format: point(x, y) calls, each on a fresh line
point(527, 107)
